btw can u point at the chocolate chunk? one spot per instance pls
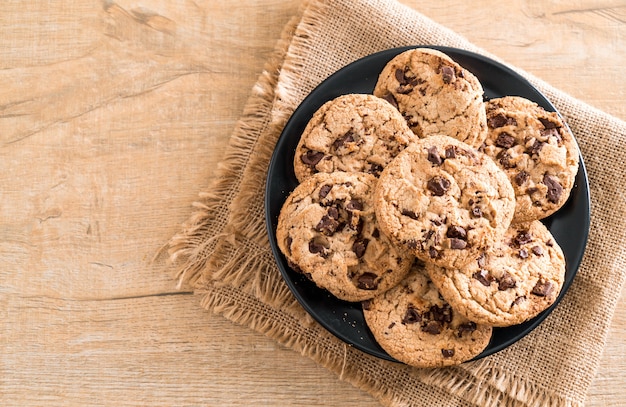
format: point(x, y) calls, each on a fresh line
point(391, 99)
point(447, 353)
point(554, 188)
point(523, 254)
point(327, 225)
point(410, 214)
point(457, 244)
point(324, 190)
point(483, 277)
point(391, 325)
point(500, 120)
point(505, 140)
point(375, 233)
point(359, 246)
point(548, 124)
point(457, 231)
point(341, 141)
point(438, 185)
point(551, 133)
point(505, 161)
point(333, 213)
point(468, 327)
point(518, 300)
point(317, 248)
point(366, 304)
point(311, 158)
point(451, 152)
point(441, 314)
point(537, 250)
point(433, 253)
point(407, 83)
point(411, 316)
point(432, 327)
point(375, 169)
point(542, 288)
point(400, 76)
point(477, 212)
point(522, 238)
point(433, 156)
point(506, 281)
point(447, 73)
point(367, 281)
point(521, 177)
point(535, 148)
point(354, 205)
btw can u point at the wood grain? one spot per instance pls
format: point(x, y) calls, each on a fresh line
point(113, 116)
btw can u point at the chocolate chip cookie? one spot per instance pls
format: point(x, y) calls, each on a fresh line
point(510, 283)
point(415, 325)
point(327, 228)
point(536, 150)
point(352, 133)
point(435, 95)
point(444, 201)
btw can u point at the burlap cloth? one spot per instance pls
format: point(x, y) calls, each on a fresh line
point(223, 250)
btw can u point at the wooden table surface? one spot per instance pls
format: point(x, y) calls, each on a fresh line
point(113, 115)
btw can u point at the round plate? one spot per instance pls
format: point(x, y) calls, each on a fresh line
point(569, 226)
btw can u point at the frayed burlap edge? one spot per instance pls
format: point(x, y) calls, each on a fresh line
point(193, 249)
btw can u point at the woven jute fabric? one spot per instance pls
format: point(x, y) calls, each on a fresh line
point(223, 250)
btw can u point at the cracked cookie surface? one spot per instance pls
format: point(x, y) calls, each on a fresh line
point(512, 282)
point(352, 133)
point(435, 95)
point(327, 229)
point(415, 325)
point(536, 150)
point(443, 201)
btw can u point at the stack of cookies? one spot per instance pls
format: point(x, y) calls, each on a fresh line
point(423, 203)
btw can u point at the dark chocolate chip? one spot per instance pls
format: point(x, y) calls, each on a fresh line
point(367, 281)
point(375, 233)
point(391, 325)
point(518, 300)
point(483, 277)
point(468, 327)
point(522, 237)
point(500, 120)
point(375, 169)
point(537, 250)
point(542, 288)
point(523, 254)
point(311, 158)
point(457, 244)
point(366, 304)
point(411, 316)
point(441, 314)
point(341, 141)
point(505, 140)
point(548, 124)
point(333, 213)
point(409, 213)
point(505, 161)
point(506, 281)
point(447, 73)
point(433, 327)
point(327, 225)
point(391, 99)
point(359, 246)
point(412, 244)
point(433, 156)
point(457, 231)
point(433, 253)
point(451, 152)
point(438, 185)
point(554, 188)
point(521, 177)
point(324, 190)
point(317, 248)
point(354, 205)
point(536, 147)
point(447, 353)
point(400, 76)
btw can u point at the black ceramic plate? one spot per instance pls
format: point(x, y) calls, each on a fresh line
point(569, 226)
